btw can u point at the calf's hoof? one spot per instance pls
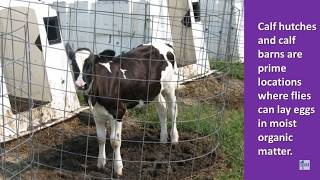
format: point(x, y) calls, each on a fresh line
point(174, 137)
point(101, 163)
point(118, 169)
point(163, 138)
point(118, 174)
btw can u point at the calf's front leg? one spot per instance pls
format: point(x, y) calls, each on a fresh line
point(101, 137)
point(115, 140)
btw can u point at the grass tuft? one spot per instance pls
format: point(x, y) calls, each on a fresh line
point(234, 70)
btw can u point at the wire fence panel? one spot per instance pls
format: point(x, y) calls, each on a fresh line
point(48, 125)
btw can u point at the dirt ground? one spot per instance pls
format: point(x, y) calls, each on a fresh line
point(214, 89)
point(68, 150)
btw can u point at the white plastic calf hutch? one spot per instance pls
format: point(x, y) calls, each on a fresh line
point(37, 88)
point(124, 24)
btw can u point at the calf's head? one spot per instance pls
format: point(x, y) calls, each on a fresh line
point(83, 61)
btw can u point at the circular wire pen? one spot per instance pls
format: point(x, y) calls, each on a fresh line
point(47, 129)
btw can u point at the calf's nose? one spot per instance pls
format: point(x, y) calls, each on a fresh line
point(80, 83)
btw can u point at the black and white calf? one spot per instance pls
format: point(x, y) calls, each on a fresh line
point(114, 84)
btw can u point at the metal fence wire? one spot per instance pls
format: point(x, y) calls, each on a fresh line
point(46, 128)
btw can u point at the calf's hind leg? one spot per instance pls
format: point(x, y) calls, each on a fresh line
point(162, 113)
point(172, 111)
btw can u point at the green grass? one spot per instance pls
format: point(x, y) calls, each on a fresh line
point(234, 70)
point(231, 149)
point(81, 98)
point(196, 118)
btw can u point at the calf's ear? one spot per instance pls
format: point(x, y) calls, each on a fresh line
point(69, 51)
point(96, 59)
point(107, 54)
